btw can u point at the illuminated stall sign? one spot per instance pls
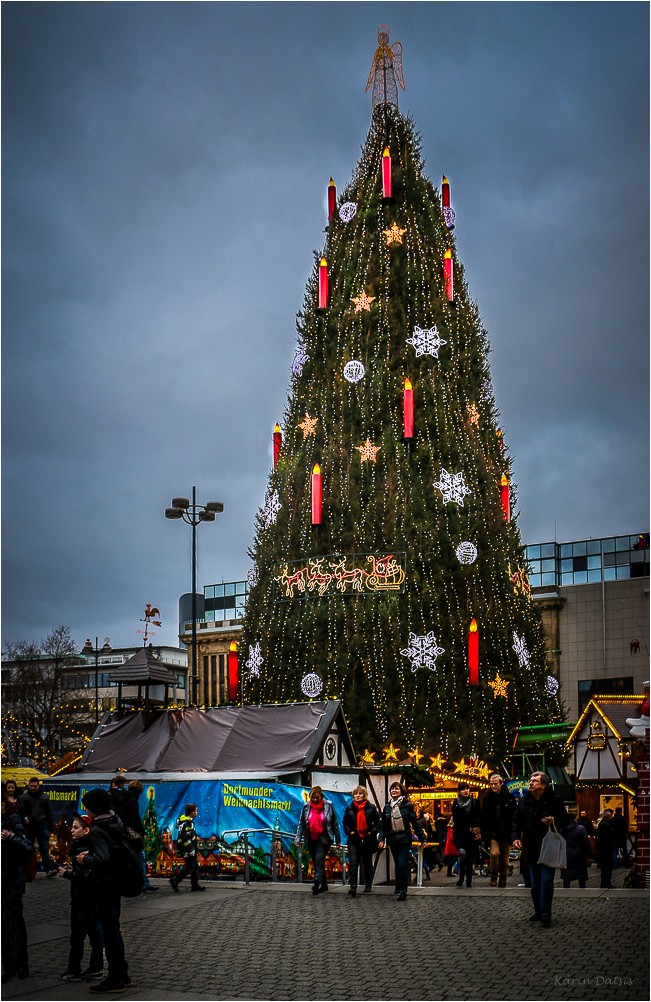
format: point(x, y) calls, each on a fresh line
point(343, 573)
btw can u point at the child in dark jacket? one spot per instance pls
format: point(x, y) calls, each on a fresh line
point(83, 913)
point(186, 846)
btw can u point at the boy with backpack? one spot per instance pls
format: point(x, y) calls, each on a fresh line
point(186, 847)
point(83, 913)
point(112, 868)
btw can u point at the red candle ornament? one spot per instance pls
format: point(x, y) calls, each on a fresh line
point(323, 284)
point(332, 199)
point(317, 495)
point(278, 444)
point(473, 653)
point(408, 410)
point(505, 497)
point(448, 275)
point(386, 173)
point(233, 672)
point(445, 193)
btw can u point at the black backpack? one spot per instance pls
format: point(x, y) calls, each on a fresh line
point(125, 864)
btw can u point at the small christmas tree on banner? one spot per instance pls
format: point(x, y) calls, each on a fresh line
point(384, 533)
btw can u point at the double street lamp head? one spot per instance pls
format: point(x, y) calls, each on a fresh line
point(182, 508)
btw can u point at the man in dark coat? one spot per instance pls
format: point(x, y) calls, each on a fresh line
point(101, 870)
point(497, 809)
point(37, 818)
point(16, 852)
point(537, 810)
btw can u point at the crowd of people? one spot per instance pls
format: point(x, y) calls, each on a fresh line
point(101, 854)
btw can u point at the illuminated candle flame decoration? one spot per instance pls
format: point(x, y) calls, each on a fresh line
point(278, 442)
point(386, 174)
point(448, 275)
point(473, 653)
point(332, 199)
point(317, 495)
point(408, 409)
point(233, 671)
point(323, 284)
point(449, 216)
point(505, 497)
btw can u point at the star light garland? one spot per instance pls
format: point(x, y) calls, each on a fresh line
point(308, 425)
point(499, 686)
point(368, 452)
point(394, 235)
point(362, 302)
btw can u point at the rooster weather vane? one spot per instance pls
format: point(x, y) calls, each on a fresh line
point(386, 71)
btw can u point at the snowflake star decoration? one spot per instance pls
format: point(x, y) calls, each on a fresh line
point(300, 358)
point(255, 660)
point(368, 452)
point(521, 651)
point(362, 302)
point(252, 576)
point(311, 685)
point(426, 341)
point(347, 212)
point(499, 686)
point(308, 426)
point(452, 486)
point(422, 651)
point(271, 508)
point(394, 234)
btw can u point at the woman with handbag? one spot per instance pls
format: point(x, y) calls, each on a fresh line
point(362, 826)
point(318, 825)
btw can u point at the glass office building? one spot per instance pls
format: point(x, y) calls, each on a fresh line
point(587, 561)
point(225, 602)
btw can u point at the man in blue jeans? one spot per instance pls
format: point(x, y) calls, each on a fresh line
point(537, 810)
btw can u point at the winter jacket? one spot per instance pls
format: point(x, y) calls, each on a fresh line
point(186, 843)
point(81, 891)
point(331, 825)
point(16, 853)
point(605, 837)
point(106, 836)
point(373, 822)
point(125, 804)
point(496, 812)
point(409, 820)
point(527, 824)
point(37, 809)
point(465, 819)
point(578, 847)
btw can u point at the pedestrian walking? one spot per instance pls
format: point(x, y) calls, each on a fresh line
point(450, 851)
point(497, 809)
point(186, 847)
point(319, 827)
point(605, 843)
point(84, 922)
point(467, 832)
point(579, 852)
point(398, 822)
point(535, 812)
point(362, 828)
point(620, 833)
point(101, 866)
point(37, 818)
point(16, 852)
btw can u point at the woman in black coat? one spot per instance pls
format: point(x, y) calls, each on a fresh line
point(362, 827)
point(579, 851)
point(467, 832)
point(398, 821)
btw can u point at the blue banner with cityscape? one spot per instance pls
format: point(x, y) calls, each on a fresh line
point(268, 812)
point(342, 573)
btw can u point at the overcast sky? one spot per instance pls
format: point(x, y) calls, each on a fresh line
point(164, 188)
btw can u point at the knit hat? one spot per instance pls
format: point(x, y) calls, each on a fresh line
point(97, 801)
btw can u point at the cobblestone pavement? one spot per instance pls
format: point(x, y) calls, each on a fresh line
point(277, 942)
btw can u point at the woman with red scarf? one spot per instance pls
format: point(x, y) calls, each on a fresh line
point(318, 825)
point(362, 826)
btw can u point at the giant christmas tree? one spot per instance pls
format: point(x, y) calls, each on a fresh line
point(388, 566)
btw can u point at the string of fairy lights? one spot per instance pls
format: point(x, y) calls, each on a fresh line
point(389, 319)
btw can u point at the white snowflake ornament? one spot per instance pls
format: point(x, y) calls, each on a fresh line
point(426, 341)
point(551, 685)
point(347, 212)
point(311, 685)
point(271, 508)
point(252, 576)
point(520, 648)
point(254, 661)
point(422, 651)
point(452, 486)
point(300, 358)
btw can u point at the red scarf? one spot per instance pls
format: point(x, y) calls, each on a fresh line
point(316, 821)
point(361, 826)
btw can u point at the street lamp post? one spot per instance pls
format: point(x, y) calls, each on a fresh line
point(96, 650)
point(194, 514)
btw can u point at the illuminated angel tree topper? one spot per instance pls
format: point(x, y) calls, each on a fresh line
point(393, 646)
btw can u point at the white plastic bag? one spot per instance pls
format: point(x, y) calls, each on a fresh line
point(553, 851)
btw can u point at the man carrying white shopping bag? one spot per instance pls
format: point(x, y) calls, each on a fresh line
point(537, 811)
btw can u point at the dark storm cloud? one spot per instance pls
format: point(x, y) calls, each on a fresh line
point(164, 177)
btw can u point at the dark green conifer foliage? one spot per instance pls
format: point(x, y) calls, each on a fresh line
point(353, 642)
